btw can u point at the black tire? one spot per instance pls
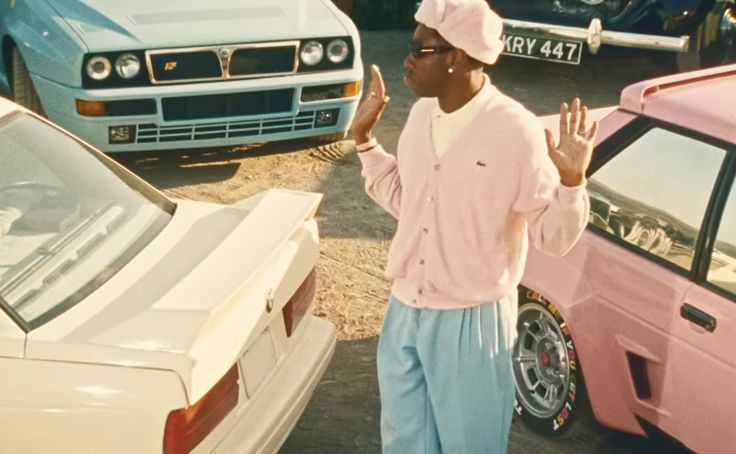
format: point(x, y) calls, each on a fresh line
point(22, 89)
point(540, 363)
point(718, 52)
point(703, 58)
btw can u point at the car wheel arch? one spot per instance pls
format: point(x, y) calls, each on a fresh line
point(53, 51)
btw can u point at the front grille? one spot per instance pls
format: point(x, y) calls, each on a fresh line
point(151, 133)
point(262, 61)
point(236, 61)
point(185, 66)
point(227, 105)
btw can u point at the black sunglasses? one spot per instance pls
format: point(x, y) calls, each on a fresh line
point(419, 51)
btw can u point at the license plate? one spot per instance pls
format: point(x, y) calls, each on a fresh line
point(555, 50)
point(258, 361)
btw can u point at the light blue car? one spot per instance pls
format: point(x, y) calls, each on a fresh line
point(157, 74)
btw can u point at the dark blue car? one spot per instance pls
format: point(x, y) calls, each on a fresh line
point(700, 32)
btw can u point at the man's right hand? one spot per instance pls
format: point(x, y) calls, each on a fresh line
point(370, 110)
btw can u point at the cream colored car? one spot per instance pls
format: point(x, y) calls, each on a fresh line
point(132, 323)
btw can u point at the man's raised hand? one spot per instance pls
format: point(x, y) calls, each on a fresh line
point(572, 154)
point(370, 109)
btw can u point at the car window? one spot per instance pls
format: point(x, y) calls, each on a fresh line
point(69, 219)
point(654, 193)
point(722, 271)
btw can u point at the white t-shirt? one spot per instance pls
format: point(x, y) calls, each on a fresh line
point(447, 126)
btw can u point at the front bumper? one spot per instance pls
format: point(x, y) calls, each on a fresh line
point(595, 37)
point(153, 131)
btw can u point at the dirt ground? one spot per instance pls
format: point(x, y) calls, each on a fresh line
point(344, 412)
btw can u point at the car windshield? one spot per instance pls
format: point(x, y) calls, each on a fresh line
point(69, 219)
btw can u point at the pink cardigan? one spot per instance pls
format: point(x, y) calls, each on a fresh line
point(463, 218)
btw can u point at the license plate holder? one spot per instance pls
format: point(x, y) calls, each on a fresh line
point(548, 49)
point(258, 362)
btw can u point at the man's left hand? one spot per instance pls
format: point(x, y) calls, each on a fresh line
point(572, 154)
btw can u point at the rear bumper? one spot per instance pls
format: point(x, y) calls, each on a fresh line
point(595, 37)
point(274, 412)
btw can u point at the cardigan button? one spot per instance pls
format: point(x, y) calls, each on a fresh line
point(421, 261)
point(436, 167)
point(425, 230)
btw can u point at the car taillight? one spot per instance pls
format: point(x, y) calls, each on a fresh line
point(299, 303)
point(187, 427)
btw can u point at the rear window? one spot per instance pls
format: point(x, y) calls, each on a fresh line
point(69, 220)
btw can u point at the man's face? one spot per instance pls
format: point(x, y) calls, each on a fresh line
point(426, 73)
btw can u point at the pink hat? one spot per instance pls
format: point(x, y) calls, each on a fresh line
point(469, 25)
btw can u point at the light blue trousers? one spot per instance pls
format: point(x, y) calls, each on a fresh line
point(445, 378)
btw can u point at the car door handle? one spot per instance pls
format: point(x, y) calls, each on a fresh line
point(698, 317)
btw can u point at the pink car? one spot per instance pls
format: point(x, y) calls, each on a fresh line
point(638, 321)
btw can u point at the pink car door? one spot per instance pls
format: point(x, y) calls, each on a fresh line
point(650, 209)
point(703, 358)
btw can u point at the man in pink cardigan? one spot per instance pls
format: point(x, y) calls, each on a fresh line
point(472, 181)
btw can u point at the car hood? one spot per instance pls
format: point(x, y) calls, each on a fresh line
point(151, 24)
point(196, 296)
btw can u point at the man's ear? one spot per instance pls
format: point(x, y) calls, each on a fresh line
point(458, 58)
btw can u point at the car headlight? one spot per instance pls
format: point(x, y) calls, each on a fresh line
point(337, 51)
point(311, 53)
point(127, 66)
point(99, 68)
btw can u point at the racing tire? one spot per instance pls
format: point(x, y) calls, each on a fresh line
point(550, 391)
point(22, 89)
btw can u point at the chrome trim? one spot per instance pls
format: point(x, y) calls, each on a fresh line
point(224, 54)
point(595, 36)
point(727, 26)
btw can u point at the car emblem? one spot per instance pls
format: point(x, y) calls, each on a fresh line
point(170, 65)
point(269, 301)
point(224, 53)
